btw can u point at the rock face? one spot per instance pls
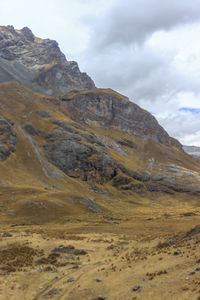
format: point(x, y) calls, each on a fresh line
point(7, 139)
point(106, 108)
point(75, 155)
point(38, 64)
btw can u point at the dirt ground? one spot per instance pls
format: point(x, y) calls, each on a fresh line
point(149, 256)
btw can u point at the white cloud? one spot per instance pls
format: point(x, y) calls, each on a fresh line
point(185, 126)
point(133, 21)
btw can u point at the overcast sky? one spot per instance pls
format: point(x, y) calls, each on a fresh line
point(149, 50)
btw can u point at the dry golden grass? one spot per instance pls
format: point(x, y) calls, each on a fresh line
point(116, 258)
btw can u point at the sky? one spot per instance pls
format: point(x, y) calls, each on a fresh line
point(148, 50)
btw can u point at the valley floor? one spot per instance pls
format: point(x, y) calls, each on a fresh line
point(153, 256)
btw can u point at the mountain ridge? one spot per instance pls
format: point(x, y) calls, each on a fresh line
point(86, 148)
point(38, 63)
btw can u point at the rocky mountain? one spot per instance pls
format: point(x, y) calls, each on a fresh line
point(38, 64)
point(106, 108)
point(90, 147)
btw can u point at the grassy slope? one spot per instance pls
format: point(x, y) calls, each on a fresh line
point(27, 192)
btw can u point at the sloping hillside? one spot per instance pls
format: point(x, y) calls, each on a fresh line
point(58, 157)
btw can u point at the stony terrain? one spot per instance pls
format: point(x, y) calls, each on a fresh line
point(97, 201)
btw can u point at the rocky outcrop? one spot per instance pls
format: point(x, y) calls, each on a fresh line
point(38, 64)
point(43, 114)
point(70, 151)
point(171, 179)
point(7, 139)
point(106, 108)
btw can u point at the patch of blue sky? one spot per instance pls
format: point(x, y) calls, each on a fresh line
point(190, 109)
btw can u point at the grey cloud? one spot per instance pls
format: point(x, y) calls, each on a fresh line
point(118, 58)
point(132, 21)
point(139, 73)
point(134, 72)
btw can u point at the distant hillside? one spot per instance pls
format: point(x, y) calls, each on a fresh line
point(192, 150)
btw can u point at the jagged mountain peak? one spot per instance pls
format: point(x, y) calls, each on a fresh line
point(38, 63)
